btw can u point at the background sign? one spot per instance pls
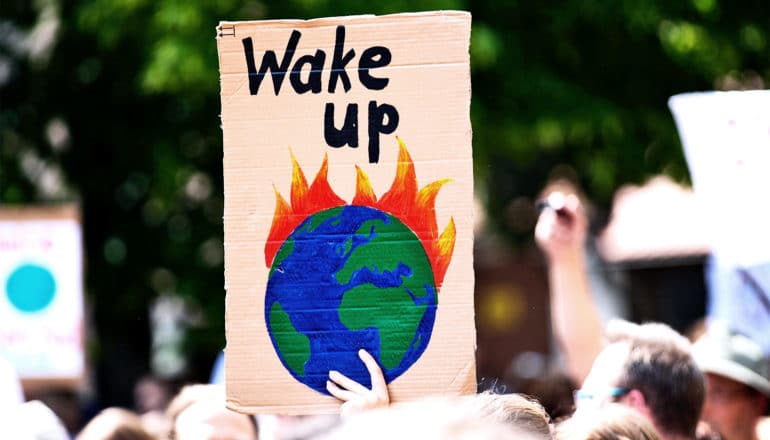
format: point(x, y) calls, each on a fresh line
point(726, 139)
point(41, 307)
point(348, 206)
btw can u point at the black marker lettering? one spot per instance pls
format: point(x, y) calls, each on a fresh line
point(377, 125)
point(372, 58)
point(348, 134)
point(339, 61)
point(269, 62)
point(313, 83)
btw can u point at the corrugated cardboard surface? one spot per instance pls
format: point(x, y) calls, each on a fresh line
point(429, 85)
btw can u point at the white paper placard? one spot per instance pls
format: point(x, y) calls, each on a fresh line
point(41, 307)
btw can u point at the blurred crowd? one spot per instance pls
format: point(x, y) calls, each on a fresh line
point(638, 381)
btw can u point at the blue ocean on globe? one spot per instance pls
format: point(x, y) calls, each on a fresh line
point(346, 279)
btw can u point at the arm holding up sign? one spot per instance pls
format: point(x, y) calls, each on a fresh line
point(357, 397)
point(561, 233)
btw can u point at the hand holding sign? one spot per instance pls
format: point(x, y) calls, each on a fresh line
point(357, 397)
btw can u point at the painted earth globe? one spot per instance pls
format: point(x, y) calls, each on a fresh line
point(350, 278)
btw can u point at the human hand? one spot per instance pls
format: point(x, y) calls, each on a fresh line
point(356, 397)
point(562, 226)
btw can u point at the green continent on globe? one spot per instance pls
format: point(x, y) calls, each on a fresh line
point(294, 346)
point(395, 312)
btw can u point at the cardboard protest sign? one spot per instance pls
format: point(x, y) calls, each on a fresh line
point(41, 309)
point(348, 207)
point(726, 140)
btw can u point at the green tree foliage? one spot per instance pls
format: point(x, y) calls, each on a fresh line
point(115, 104)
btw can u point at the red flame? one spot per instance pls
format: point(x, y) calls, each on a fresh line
point(415, 208)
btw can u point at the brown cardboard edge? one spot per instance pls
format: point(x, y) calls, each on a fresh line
point(41, 212)
point(350, 19)
point(37, 386)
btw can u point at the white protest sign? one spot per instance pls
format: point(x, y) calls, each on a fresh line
point(726, 139)
point(41, 306)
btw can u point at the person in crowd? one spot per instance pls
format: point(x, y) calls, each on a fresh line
point(737, 382)
point(151, 398)
point(198, 412)
point(515, 410)
point(429, 419)
point(561, 233)
point(114, 424)
point(650, 369)
point(613, 422)
point(151, 394)
point(647, 367)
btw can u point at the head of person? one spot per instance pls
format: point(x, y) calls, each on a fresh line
point(649, 368)
point(514, 410)
point(199, 412)
point(613, 422)
point(437, 418)
point(737, 381)
point(114, 424)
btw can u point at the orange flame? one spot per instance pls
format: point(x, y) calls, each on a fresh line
point(416, 209)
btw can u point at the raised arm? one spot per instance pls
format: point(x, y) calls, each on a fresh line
point(561, 233)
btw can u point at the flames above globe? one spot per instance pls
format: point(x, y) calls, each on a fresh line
point(412, 206)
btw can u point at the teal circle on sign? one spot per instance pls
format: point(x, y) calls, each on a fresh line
point(30, 288)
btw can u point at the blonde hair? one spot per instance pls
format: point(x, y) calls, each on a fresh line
point(430, 419)
point(517, 410)
point(612, 422)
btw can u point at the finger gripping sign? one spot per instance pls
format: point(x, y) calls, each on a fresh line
point(348, 207)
